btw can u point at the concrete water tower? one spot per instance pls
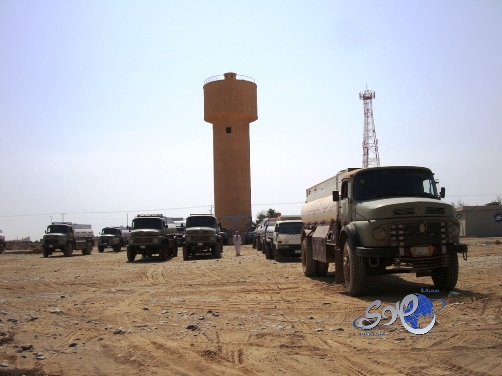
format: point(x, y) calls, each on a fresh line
point(230, 104)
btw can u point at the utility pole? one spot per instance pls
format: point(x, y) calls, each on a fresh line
point(371, 157)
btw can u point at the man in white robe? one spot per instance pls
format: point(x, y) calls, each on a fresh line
point(237, 243)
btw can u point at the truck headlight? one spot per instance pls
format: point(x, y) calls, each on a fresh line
point(131, 240)
point(453, 230)
point(380, 233)
point(155, 240)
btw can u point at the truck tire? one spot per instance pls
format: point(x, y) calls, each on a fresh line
point(45, 252)
point(322, 268)
point(117, 248)
point(277, 255)
point(163, 252)
point(2, 248)
point(253, 242)
point(268, 253)
point(217, 251)
point(68, 250)
point(131, 254)
point(186, 253)
point(354, 271)
point(258, 245)
point(309, 265)
point(446, 278)
point(88, 249)
point(101, 248)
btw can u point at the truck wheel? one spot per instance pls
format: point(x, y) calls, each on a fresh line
point(175, 249)
point(131, 254)
point(68, 250)
point(309, 265)
point(186, 253)
point(117, 248)
point(268, 253)
point(277, 255)
point(354, 271)
point(163, 252)
point(217, 251)
point(45, 252)
point(253, 242)
point(88, 249)
point(446, 278)
point(101, 248)
point(322, 268)
point(2, 248)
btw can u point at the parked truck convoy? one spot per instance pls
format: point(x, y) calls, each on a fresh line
point(114, 237)
point(67, 237)
point(380, 220)
point(152, 234)
point(202, 235)
point(2, 242)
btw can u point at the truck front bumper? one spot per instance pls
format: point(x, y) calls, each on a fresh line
point(406, 251)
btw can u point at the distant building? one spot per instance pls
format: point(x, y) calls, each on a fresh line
point(480, 221)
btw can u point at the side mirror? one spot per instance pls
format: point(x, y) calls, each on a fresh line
point(443, 192)
point(45, 231)
point(336, 196)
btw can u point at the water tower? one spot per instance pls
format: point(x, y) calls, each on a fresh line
point(230, 104)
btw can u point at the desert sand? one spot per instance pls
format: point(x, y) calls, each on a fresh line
point(101, 315)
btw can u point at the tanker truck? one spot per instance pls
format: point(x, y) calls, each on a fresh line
point(66, 237)
point(380, 220)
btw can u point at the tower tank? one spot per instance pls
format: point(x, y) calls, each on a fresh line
point(230, 104)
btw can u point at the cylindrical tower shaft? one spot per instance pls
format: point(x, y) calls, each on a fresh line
point(230, 104)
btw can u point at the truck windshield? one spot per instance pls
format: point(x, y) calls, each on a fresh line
point(379, 183)
point(57, 229)
point(292, 228)
point(201, 222)
point(112, 231)
point(145, 223)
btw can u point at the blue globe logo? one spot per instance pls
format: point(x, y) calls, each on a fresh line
point(423, 313)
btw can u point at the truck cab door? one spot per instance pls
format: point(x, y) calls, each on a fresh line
point(346, 202)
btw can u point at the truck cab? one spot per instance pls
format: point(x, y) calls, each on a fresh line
point(202, 235)
point(152, 234)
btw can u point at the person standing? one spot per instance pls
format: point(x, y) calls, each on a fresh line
point(237, 243)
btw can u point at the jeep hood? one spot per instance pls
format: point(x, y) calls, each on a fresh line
point(402, 207)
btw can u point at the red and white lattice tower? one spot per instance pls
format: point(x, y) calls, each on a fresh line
point(370, 142)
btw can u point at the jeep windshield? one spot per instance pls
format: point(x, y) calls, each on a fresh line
point(58, 229)
point(396, 182)
point(111, 231)
point(146, 223)
point(290, 228)
point(201, 222)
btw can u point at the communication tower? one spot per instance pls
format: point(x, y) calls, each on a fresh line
point(370, 142)
point(230, 104)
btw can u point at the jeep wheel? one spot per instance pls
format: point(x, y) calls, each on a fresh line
point(354, 271)
point(68, 250)
point(308, 263)
point(446, 278)
point(131, 254)
point(186, 253)
point(101, 248)
point(277, 255)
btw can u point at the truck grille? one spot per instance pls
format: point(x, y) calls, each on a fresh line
point(413, 233)
point(51, 241)
point(143, 240)
point(200, 238)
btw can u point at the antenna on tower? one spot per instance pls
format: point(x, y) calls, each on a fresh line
point(370, 142)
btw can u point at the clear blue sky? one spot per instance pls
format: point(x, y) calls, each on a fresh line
point(101, 102)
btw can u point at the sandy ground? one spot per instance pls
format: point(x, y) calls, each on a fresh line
point(101, 315)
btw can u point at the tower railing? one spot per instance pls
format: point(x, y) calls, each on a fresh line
point(222, 77)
